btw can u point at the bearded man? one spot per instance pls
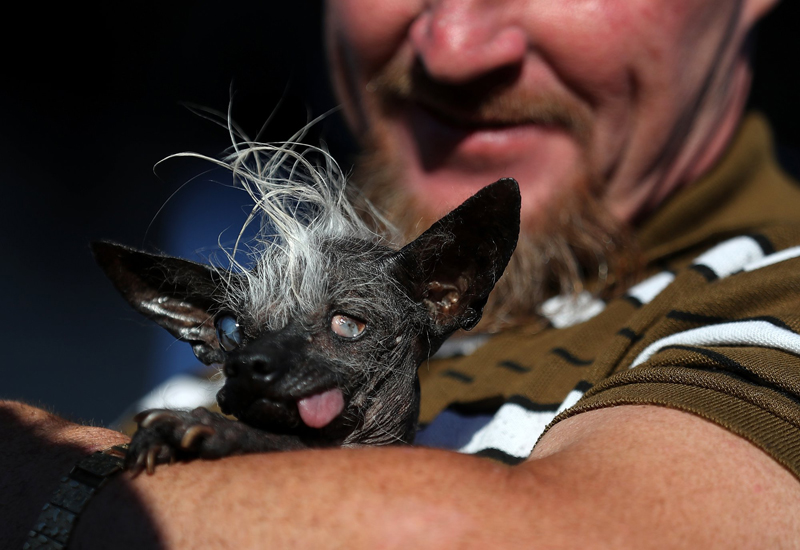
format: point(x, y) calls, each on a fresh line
point(650, 318)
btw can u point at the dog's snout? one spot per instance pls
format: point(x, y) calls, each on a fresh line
point(261, 365)
point(265, 364)
point(231, 370)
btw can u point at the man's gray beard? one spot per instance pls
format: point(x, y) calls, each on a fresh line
point(578, 247)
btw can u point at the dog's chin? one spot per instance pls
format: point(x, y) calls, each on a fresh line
point(316, 411)
point(265, 414)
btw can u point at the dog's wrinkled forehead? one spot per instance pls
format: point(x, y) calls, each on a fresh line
point(303, 282)
point(362, 270)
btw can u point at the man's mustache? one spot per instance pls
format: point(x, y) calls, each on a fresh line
point(490, 101)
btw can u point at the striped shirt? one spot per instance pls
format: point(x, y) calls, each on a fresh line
point(714, 329)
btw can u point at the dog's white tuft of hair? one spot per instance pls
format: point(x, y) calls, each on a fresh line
point(301, 204)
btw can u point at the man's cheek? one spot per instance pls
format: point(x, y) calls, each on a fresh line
point(371, 31)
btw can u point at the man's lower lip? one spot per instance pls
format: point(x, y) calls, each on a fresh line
point(479, 142)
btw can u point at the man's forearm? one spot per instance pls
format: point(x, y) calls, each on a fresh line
point(366, 498)
point(37, 449)
point(628, 477)
point(357, 498)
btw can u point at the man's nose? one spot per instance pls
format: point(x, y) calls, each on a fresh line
point(461, 40)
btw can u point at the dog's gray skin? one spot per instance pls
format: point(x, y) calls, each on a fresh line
point(362, 360)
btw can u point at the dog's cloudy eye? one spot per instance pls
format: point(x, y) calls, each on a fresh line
point(346, 327)
point(228, 333)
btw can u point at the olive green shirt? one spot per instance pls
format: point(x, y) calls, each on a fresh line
point(713, 329)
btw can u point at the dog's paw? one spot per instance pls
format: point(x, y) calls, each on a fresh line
point(165, 436)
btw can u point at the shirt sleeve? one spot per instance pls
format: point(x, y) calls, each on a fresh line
point(729, 352)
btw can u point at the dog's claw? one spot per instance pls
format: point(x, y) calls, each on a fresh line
point(147, 418)
point(194, 433)
point(137, 467)
point(166, 436)
point(151, 460)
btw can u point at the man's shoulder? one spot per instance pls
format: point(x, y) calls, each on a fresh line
point(691, 322)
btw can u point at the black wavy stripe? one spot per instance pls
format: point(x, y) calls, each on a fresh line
point(705, 271)
point(569, 358)
point(512, 366)
point(636, 302)
point(732, 368)
point(766, 245)
point(460, 376)
point(696, 318)
point(522, 401)
point(711, 320)
point(763, 243)
point(532, 406)
point(492, 405)
point(629, 334)
point(500, 456)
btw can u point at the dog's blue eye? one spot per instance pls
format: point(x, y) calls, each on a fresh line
point(228, 333)
point(346, 327)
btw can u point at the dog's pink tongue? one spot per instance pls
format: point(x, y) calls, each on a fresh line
point(319, 409)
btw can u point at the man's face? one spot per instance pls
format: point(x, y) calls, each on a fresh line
point(623, 100)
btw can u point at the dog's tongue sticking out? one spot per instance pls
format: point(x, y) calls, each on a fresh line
point(319, 409)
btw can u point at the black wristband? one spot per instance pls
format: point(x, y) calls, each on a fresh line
point(54, 526)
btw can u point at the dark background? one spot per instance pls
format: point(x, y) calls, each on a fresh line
point(92, 99)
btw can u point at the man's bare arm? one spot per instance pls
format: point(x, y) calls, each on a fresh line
point(36, 450)
point(623, 477)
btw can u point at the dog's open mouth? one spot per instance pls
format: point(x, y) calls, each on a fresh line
point(319, 409)
point(316, 411)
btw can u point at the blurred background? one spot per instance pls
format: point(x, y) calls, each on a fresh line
point(94, 95)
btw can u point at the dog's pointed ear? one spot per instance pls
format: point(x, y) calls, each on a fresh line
point(177, 294)
point(453, 266)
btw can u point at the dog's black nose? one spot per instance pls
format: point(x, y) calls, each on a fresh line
point(265, 366)
point(230, 369)
point(261, 366)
